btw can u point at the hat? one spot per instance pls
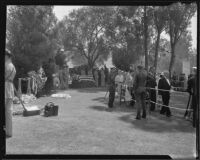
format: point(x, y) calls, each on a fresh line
point(140, 67)
point(7, 52)
point(162, 74)
point(165, 73)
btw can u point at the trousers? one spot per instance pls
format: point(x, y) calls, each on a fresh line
point(165, 99)
point(153, 98)
point(140, 102)
point(111, 96)
point(8, 116)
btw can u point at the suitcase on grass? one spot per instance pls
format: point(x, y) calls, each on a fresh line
point(50, 109)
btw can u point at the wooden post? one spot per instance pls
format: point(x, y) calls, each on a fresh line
point(19, 86)
point(29, 86)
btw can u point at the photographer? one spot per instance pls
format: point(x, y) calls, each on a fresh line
point(192, 90)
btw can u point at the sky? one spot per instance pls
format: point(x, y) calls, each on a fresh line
point(61, 11)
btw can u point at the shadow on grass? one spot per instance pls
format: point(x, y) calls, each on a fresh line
point(159, 123)
point(116, 106)
point(90, 90)
point(106, 109)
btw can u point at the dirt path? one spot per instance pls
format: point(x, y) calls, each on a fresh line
point(86, 126)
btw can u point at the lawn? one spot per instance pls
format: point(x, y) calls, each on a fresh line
point(85, 125)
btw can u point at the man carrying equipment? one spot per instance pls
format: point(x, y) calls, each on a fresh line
point(10, 73)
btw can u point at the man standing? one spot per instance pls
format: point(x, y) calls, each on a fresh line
point(106, 73)
point(10, 73)
point(165, 87)
point(111, 88)
point(151, 83)
point(192, 89)
point(139, 87)
point(96, 77)
point(50, 70)
point(102, 78)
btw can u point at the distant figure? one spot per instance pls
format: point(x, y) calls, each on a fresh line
point(111, 87)
point(139, 86)
point(164, 84)
point(119, 79)
point(96, 77)
point(132, 73)
point(192, 89)
point(82, 72)
point(106, 72)
point(102, 78)
point(99, 77)
point(66, 76)
point(90, 72)
point(50, 70)
point(151, 83)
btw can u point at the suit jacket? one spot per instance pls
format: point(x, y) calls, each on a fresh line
point(190, 85)
point(163, 84)
point(140, 82)
point(151, 81)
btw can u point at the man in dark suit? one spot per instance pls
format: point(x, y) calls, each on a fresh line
point(139, 86)
point(164, 84)
point(192, 89)
point(151, 83)
point(111, 86)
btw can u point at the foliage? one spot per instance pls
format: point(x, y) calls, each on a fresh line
point(160, 19)
point(31, 35)
point(179, 16)
point(124, 33)
point(183, 46)
point(83, 33)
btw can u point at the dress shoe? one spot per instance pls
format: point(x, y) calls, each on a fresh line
point(138, 117)
point(168, 115)
point(8, 136)
point(144, 115)
point(162, 112)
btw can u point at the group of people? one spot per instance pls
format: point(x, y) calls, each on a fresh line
point(140, 84)
point(101, 76)
point(57, 77)
point(50, 71)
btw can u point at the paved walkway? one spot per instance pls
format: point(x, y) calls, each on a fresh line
point(85, 126)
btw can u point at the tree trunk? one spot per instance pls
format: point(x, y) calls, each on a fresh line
point(145, 38)
point(156, 51)
point(172, 60)
point(90, 64)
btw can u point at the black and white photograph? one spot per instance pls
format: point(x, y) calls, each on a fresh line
point(101, 80)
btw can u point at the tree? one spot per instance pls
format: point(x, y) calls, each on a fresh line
point(184, 46)
point(179, 16)
point(124, 33)
point(84, 33)
point(160, 19)
point(145, 37)
point(31, 35)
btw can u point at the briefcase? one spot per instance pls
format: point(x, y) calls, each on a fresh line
point(50, 109)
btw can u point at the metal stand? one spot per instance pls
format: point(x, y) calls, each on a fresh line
point(188, 104)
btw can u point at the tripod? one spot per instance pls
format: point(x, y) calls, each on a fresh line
point(186, 112)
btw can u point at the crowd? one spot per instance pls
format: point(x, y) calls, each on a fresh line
point(142, 84)
point(99, 75)
point(138, 82)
